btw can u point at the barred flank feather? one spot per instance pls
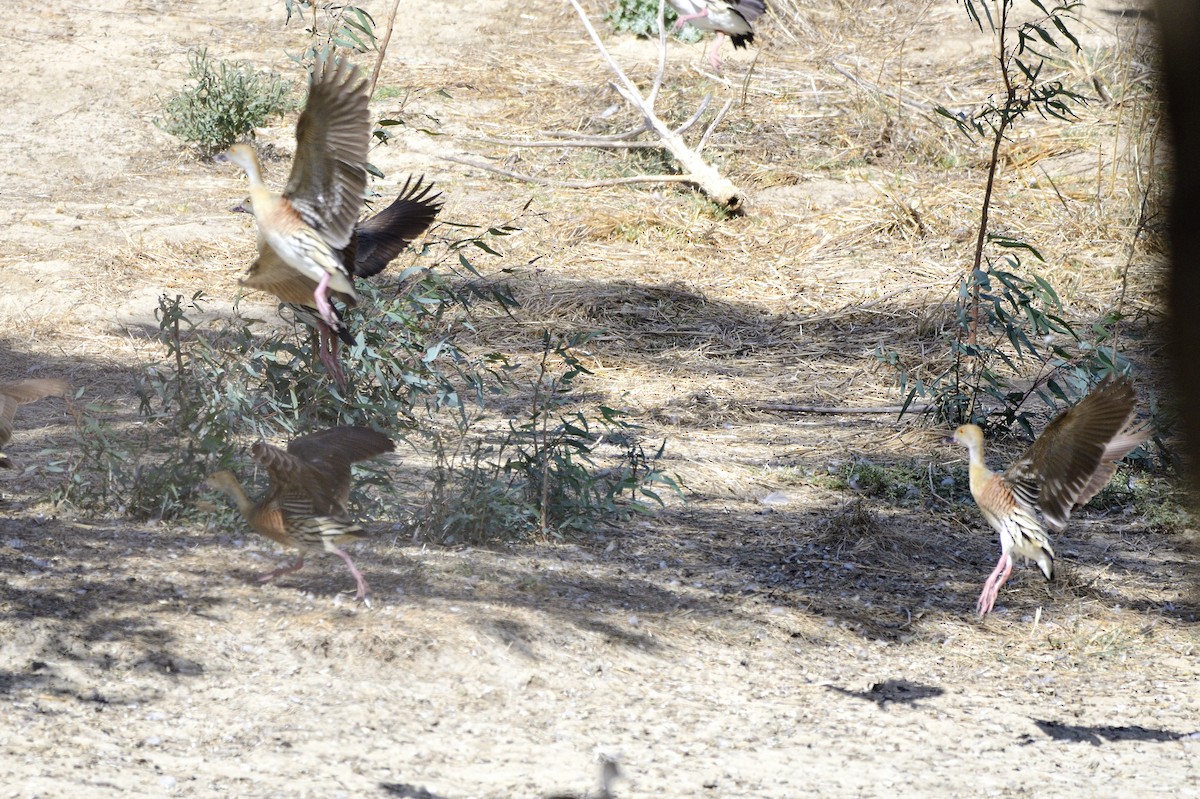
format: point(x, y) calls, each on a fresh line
point(306, 505)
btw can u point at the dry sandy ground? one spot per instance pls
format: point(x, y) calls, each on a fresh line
point(726, 648)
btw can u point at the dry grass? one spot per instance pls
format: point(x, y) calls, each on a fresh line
point(862, 216)
point(724, 639)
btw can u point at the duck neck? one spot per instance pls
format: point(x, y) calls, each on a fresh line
point(977, 469)
point(248, 161)
point(244, 504)
point(975, 454)
point(262, 200)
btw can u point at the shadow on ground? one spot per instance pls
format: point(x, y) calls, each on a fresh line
point(1096, 735)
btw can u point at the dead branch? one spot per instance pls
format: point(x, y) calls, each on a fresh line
point(570, 184)
point(652, 98)
point(717, 121)
point(622, 141)
point(719, 188)
point(383, 46)
point(582, 141)
point(696, 171)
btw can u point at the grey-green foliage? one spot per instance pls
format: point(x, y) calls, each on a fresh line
point(333, 26)
point(640, 17)
point(226, 382)
point(223, 102)
point(541, 476)
point(1009, 320)
point(236, 383)
point(223, 384)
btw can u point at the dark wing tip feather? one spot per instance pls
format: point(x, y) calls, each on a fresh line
point(385, 235)
point(750, 10)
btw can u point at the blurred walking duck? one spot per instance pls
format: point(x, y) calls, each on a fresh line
point(732, 18)
point(306, 506)
point(1074, 457)
point(23, 392)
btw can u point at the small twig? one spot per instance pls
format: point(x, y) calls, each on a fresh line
point(694, 118)
point(598, 143)
point(844, 564)
point(662, 55)
point(387, 37)
point(570, 134)
point(875, 87)
point(933, 489)
point(572, 184)
point(570, 138)
point(847, 310)
point(746, 80)
point(832, 410)
point(587, 24)
point(1054, 186)
point(717, 121)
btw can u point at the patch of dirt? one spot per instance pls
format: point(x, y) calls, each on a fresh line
point(776, 635)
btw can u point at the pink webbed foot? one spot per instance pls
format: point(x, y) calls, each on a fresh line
point(987, 599)
point(295, 565)
point(714, 57)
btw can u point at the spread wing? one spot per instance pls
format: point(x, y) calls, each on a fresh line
point(1077, 452)
point(329, 172)
point(382, 237)
point(329, 453)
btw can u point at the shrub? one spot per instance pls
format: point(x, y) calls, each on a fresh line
point(541, 476)
point(546, 472)
point(640, 17)
point(1007, 317)
point(222, 103)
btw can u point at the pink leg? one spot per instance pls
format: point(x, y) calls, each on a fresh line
point(363, 590)
point(679, 23)
point(294, 566)
point(327, 351)
point(991, 589)
point(713, 57)
point(320, 295)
